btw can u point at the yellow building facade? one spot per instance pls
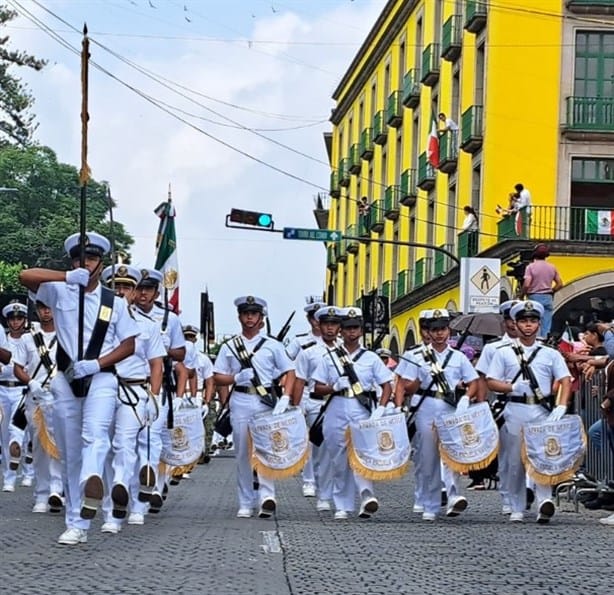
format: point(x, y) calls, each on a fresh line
point(527, 89)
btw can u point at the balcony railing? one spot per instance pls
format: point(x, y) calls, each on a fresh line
point(331, 260)
point(570, 224)
point(443, 263)
point(430, 64)
point(452, 38)
point(341, 251)
point(403, 285)
point(377, 216)
point(409, 189)
point(344, 172)
point(591, 6)
point(467, 244)
point(335, 191)
point(366, 144)
point(391, 202)
point(422, 272)
point(355, 162)
point(471, 129)
point(352, 245)
point(426, 173)
point(364, 225)
point(380, 132)
point(590, 114)
point(411, 88)
point(448, 151)
point(394, 109)
point(475, 15)
point(386, 288)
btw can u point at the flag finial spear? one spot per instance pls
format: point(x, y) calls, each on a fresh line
point(169, 192)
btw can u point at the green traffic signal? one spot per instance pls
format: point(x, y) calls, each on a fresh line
point(265, 220)
point(252, 218)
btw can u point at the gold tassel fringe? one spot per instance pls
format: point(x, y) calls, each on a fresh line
point(466, 467)
point(181, 469)
point(357, 466)
point(552, 480)
point(269, 473)
point(47, 442)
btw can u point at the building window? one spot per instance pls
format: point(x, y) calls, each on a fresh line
point(594, 67)
point(593, 170)
point(592, 183)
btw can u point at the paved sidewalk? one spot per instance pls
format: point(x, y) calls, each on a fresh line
point(196, 545)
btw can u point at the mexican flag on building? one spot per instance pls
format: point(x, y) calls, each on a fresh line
point(166, 253)
point(432, 144)
point(599, 222)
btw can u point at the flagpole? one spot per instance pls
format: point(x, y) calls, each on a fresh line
point(84, 175)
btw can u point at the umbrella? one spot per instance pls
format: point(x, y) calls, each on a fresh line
point(484, 323)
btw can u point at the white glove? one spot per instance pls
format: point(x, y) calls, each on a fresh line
point(86, 367)
point(152, 407)
point(379, 411)
point(166, 340)
point(398, 410)
point(463, 404)
point(36, 390)
point(282, 405)
point(204, 410)
point(179, 403)
point(557, 413)
point(78, 277)
point(244, 376)
point(522, 388)
point(342, 383)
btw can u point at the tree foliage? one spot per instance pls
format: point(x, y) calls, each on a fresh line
point(39, 208)
point(16, 123)
point(9, 277)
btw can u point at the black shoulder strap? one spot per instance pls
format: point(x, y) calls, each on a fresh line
point(107, 297)
point(528, 364)
point(358, 355)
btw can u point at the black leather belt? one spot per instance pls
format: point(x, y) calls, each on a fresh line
point(316, 397)
point(134, 381)
point(249, 390)
point(11, 383)
point(526, 400)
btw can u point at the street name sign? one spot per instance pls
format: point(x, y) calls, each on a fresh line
point(318, 235)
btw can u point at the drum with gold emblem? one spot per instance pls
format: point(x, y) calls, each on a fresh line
point(379, 449)
point(468, 441)
point(278, 443)
point(552, 451)
point(183, 444)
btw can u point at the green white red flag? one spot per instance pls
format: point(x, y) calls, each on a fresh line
point(166, 253)
point(432, 146)
point(599, 222)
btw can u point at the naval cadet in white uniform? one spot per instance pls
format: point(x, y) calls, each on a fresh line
point(269, 361)
point(505, 376)
point(82, 423)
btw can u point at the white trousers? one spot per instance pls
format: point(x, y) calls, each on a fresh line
point(82, 428)
point(320, 461)
point(517, 414)
point(430, 462)
point(346, 484)
point(242, 408)
point(9, 399)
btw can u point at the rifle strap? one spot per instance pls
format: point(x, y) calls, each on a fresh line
point(245, 359)
point(434, 373)
point(43, 351)
point(522, 362)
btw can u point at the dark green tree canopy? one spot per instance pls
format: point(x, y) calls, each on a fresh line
point(39, 208)
point(16, 123)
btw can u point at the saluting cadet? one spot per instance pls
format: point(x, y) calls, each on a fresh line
point(264, 359)
point(437, 397)
point(298, 345)
point(169, 325)
point(34, 361)
point(481, 367)
point(307, 361)
point(11, 391)
point(352, 388)
point(137, 404)
point(84, 390)
point(505, 376)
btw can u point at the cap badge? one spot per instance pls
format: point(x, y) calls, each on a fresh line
point(250, 299)
point(437, 314)
point(528, 306)
point(332, 312)
point(144, 273)
point(122, 271)
point(351, 313)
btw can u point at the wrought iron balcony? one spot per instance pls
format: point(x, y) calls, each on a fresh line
point(391, 202)
point(341, 251)
point(386, 288)
point(331, 259)
point(344, 172)
point(452, 38)
point(448, 151)
point(467, 244)
point(588, 116)
point(443, 262)
point(335, 191)
point(411, 88)
point(364, 225)
point(394, 109)
point(377, 216)
point(426, 173)
point(380, 131)
point(355, 162)
point(366, 144)
point(476, 12)
point(591, 6)
point(352, 245)
point(403, 283)
point(430, 64)
point(409, 190)
point(471, 129)
point(422, 272)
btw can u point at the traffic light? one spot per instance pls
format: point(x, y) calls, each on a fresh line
point(252, 218)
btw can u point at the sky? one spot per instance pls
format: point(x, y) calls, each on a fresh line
point(253, 74)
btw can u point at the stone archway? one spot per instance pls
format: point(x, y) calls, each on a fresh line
point(394, 346)
point(583, 285)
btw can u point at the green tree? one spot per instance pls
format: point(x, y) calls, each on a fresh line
point(16, 123)
point(9, 277)
point(39, 207)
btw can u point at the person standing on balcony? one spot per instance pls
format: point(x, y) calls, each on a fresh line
point(541, 282)
point(449, 125)
point(470, 227)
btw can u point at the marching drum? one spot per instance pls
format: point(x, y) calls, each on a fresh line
point(183, 444)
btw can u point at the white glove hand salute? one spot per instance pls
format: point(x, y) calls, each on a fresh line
point(557, 413)
point(86, 367)
point(463, 404)
point(378, 412)
point(78, 277)
point(244, 376)
point(282, 405)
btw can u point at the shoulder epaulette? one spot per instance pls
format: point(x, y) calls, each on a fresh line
point(308, 345)
point(506, 344)
point(493, 340)
point(301, 335)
